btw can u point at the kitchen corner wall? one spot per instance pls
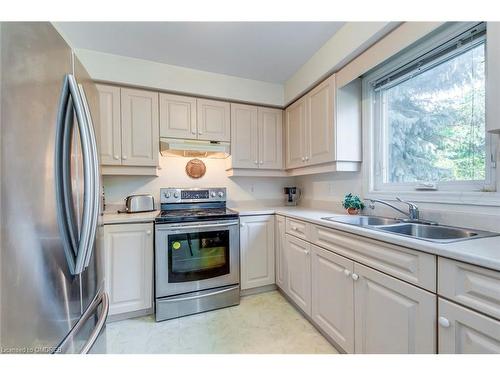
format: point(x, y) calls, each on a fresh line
point(173, 174)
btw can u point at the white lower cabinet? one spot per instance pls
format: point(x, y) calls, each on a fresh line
point(257, 251)
point(298, 257)
point(333, 296)
point(281, 279)
point(392, 316)
point(463, 331)
point(128, 267)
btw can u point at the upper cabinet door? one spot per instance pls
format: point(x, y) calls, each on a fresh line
point(140, 127)
point(320, 123)
point(391, 316)
point(177, 116)
point(214, 120)
point(270, 138)
point(295, 132)
point(110, 126)
point(244, 136)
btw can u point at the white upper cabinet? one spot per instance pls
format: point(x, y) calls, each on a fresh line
point(391, 316)
point(257, 251)
point(323, 129)
point(178, 116)
point(110, 125)
point(295, 130)
point(270, 138)
point(493, 83)
point(129, 131)
point(214, 120)
point(140, 128)
point(256, 137)
point(244, 136)
point(320, 123)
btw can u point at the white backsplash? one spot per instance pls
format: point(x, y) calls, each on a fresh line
point(173, 174)
point(326, 191)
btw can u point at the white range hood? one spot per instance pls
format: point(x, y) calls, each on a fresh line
point(193, 148)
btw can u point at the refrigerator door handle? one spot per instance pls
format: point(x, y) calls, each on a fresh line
point(64, 207)
point(76, 251)
point(95, 175)
point(99, 299)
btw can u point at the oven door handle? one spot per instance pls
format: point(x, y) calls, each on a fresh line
point(209, 294)
point(177, 227)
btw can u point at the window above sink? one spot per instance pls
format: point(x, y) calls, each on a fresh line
point(426, 124)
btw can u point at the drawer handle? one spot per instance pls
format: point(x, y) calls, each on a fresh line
point(443, 322)
point(347, 272)
point(355, 276)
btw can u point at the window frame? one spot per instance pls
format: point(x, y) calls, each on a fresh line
point(448, 192)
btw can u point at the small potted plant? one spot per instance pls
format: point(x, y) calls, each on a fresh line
point(352, 203)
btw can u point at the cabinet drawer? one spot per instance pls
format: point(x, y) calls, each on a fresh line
point(409, 265)
point(472, 286)
point(298, 228)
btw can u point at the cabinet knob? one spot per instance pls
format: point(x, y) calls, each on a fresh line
point(261, 162)
point(116, 157)
point(355, 276)
point(148, 232)
point(307, 252)
point(307, 158)
point(193, 132)
point(256, 162)
point(200, 133)
point(303, 158)
point(347, 272)
point(124, 157)
point(294, 228)
point(443, 322)
point(242, 225)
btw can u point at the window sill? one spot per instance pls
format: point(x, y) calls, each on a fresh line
point(443, 197)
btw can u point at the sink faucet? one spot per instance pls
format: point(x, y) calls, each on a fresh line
point(413, 213)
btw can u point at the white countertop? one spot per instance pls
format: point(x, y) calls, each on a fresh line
point(484, 252)
point(113, 217)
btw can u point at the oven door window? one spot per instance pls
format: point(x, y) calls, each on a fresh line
point(198, 256)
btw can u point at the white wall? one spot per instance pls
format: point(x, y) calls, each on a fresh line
point(137, 72)
point(172, 174)
point(344, 45)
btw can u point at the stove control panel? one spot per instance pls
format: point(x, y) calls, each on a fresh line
point(194, 195)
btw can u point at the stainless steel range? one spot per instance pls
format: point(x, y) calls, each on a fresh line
point(197, 257)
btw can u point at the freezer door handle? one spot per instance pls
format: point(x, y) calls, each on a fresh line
point(94, 174)
point(101, 299)
point(77, 250)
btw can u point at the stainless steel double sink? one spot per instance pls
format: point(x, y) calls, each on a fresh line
point(419, 230)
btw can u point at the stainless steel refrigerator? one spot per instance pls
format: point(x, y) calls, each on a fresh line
point(51, 292)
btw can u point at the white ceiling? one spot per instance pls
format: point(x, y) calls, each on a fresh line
point(265, 51)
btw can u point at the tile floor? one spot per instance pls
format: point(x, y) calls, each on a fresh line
point(262, 323)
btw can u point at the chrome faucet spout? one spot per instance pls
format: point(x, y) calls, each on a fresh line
point(412, 214)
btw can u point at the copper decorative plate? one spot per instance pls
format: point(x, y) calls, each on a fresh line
point(195, 168)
